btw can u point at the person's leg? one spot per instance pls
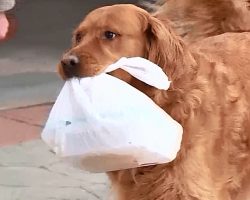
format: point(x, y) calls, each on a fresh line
point(5, 5)
point(4, 25)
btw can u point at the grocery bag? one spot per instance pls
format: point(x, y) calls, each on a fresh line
point(102, 123)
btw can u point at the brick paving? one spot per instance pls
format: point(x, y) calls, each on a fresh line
point(22, 124)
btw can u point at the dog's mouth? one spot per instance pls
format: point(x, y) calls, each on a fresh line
point(70, 73)
point(80, 71)
point(67, 73)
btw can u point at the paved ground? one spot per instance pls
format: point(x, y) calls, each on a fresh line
point(22, 124)
point(29, 171)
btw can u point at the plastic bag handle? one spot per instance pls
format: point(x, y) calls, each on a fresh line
point(144, 70)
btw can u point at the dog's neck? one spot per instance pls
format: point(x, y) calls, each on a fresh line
point(178, 102)
point(173, 99)
point(182, 74)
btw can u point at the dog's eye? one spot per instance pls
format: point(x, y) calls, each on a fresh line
point(109, 35)
point(78, 37)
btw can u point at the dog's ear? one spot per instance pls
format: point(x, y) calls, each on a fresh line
point(166, 49)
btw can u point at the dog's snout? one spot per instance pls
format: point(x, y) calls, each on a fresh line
point(69, 64)
point(69, 61)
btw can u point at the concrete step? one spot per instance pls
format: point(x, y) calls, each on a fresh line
point(19, 90)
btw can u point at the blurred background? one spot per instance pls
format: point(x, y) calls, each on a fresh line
point(29, 85)
point(29, 57)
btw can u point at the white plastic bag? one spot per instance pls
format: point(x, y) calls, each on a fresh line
point(104, 124)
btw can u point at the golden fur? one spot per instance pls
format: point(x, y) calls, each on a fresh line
point(209, 96)
point(198, 19)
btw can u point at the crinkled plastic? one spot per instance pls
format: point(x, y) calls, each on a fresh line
point(103, 124)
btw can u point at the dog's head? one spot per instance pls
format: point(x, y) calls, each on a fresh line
point(112, 32)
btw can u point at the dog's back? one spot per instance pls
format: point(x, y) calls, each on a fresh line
point(198, 19)
point(225, 66)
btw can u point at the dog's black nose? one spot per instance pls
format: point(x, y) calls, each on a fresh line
point(69, 61)
point(69, 64)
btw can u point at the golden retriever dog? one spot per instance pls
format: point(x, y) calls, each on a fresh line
point(209, 95)
point(198, 19)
